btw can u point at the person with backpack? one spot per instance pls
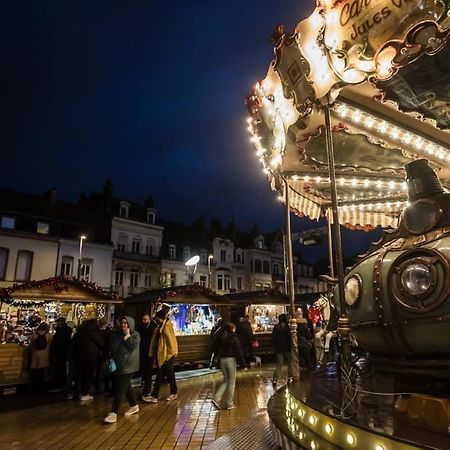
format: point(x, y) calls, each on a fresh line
point(124, 352)
point(40, 359)
point(230, 354)
point(281, 338)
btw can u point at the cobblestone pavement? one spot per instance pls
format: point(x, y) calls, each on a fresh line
point(190, 422)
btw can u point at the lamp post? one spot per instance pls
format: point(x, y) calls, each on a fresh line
point(82, 238)
point(189, 263)
point(295, 364)
point(210, 257)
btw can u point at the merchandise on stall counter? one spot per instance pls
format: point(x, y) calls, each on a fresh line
point(264, 317)
point(190, 319)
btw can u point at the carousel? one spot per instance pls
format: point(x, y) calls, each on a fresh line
point(351, 122)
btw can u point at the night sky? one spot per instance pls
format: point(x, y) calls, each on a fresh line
point(149, 93)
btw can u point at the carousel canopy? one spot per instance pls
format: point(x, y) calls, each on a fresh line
point(383, 67)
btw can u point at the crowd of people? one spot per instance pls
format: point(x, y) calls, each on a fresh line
point(96, 358)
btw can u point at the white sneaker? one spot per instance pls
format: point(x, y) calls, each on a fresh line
point(85, 398)
point(171, 397)
point(111, 418)
point(231, 406)
point(133, 410)
point(150, 399)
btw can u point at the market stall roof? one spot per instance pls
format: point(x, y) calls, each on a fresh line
point(265, 296)
point(192, 293)
point(384, 68)
point(57, 289)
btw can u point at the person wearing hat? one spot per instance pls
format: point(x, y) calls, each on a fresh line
point(164, 348)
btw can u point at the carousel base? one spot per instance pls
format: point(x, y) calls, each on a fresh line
point(373, 413)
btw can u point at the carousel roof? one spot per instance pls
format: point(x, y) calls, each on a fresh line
point(383, 67)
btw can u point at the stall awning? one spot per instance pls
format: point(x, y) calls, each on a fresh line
point(57, 289)
point(194, 293)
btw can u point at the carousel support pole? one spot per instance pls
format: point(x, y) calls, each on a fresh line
point(295, 364)
point(330, 244)
point(343, 327)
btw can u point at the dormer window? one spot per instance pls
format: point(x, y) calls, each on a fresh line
point(151, 216)
point(172, 251)
point(124, 209)
point(260, 244)
point(186, 253)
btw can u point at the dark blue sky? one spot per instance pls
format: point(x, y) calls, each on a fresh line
point(150, 93)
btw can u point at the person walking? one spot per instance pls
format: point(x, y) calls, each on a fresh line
point(89, 346)
point(281, 338)
point(124, 350)
point(164, 348)
point(245, 335)
point(230, 354)
point(147, 330)
point(59, 350)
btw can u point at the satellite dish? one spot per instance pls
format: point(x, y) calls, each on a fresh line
point(192, 261)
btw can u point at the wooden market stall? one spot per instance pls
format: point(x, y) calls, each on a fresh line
point(263, 308)
point(194, 312)
point(23, 306)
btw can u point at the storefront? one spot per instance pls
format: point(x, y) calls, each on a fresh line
point(194, 311)
point(24, 306)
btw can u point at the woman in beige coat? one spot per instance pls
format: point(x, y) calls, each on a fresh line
point(40, 361)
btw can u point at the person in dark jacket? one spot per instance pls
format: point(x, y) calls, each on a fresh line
point(230, 353)
point(124, 349)
point(304, 339)
point(245, 335)
point(147, 330)
point(59, 349)
point(88, 349)
point(281, 338)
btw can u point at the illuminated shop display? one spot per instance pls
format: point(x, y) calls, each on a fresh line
point(264, 317)
point(189, 319)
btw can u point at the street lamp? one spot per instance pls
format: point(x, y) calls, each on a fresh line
point(189, 263)
point(210, 257)
point(82, 238)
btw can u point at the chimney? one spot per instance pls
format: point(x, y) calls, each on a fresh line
point(50, 196)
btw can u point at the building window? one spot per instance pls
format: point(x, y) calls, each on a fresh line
point(8, 222)
point(118, 277)
point(266, 267)
point(276, 270)
point(279, 248)
point(66, 266)
point(310, 271)
point(238, 257)
point(134, 278)
point(43, 228)
point(203, 256)
point(239, 284)
point(4, 252)
point(136, 246)
point(172, 251)
point(86, 269)
point(203, 280)
point(260, 244)
point(120, 247)
point(186, 253)
point(148, 281)
point(223, 256)
point(23, 265)
point(173, 279)
point(149, 250)
point(258, 266)
point(223, 282)
point(151, 217)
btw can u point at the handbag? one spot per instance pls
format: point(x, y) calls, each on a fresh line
point(111, 365)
